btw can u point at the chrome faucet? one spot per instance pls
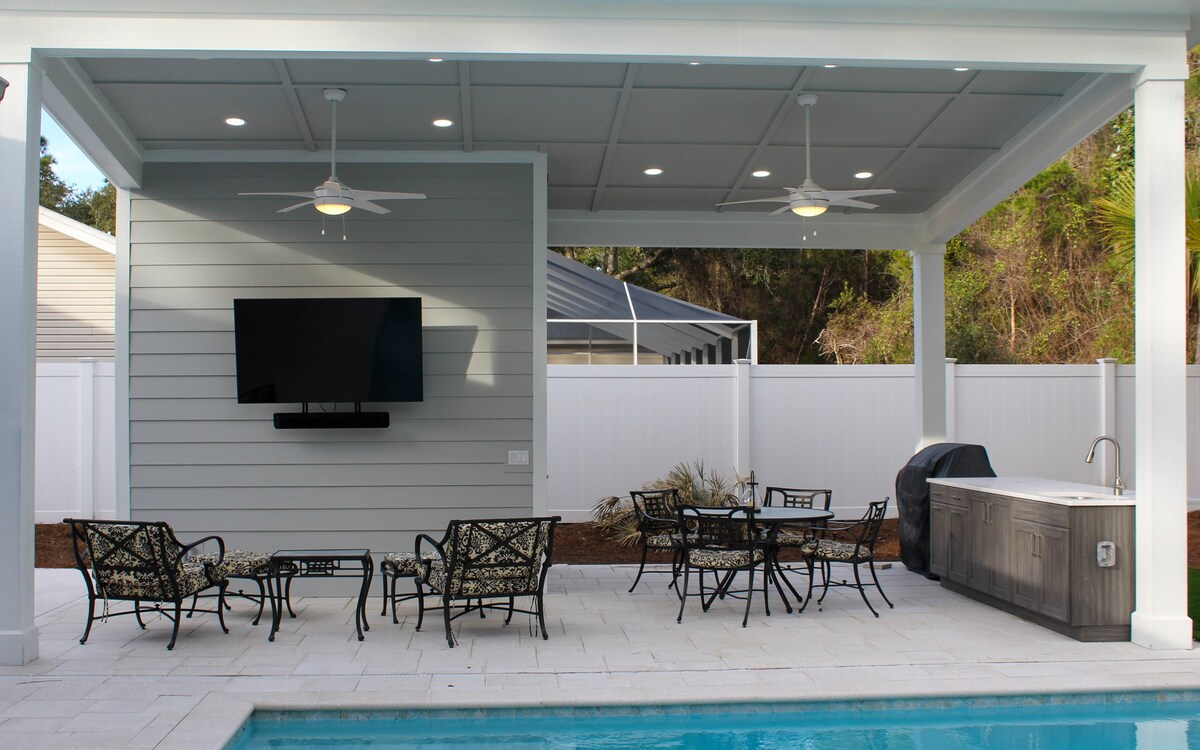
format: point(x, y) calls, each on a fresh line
point(1118, 484)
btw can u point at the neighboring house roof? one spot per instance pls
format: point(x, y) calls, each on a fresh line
point(76, 230)
point(579, 294)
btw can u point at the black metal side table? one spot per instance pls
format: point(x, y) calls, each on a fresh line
point(288, 564)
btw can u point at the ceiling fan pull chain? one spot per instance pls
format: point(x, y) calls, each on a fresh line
point(322, 225)
point(343, 227)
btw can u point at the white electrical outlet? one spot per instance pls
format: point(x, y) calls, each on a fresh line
point(518, 458)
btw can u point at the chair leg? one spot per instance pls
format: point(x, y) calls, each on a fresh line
point(137, 612)
point(773, 572)
point(512, 603)
point(420, 604)
point(287, 595)
point(750, 597)
point(221, 606)
point(862, 591)
point(541, 613)
point(446, 617)
point(641, 567)
point(779, 574)
point(87, 629)
point(175, 630)
point(871, 564)
point(383, 585)
point(766, 579)
point(262, 600)
point(808, 598)
point(683, 596)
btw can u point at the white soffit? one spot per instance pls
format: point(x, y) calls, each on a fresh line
point(605, 101)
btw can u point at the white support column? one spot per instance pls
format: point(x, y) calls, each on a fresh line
point(743, 462)
point(951, 398)
point(1160, 618)
point(929, 342)
point(1108, 419)
point(20, 126)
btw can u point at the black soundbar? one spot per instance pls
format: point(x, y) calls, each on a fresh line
point(331, 420)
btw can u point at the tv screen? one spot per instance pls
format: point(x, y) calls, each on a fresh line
point(291, 351)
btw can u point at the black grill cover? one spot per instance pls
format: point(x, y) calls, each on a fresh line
point(912, 494)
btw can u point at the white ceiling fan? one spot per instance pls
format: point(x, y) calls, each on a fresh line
point(333, 197)
point(810, 199)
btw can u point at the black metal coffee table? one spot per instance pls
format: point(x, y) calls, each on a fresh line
point(287, 564)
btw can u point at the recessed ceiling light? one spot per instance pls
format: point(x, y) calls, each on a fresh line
point(694, 62)
point(652, 171)
point(961, 70)
point(829, 65)
point(442, 123)
point(760, 173)
point(435, 59)
point(236, 122)
point(864, 175)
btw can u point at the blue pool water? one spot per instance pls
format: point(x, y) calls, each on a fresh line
point(1161, 721)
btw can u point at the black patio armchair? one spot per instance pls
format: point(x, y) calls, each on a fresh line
point(144, 563)
point(658, 528)
point(480, 562)
point(849, 543)
point(725, 541)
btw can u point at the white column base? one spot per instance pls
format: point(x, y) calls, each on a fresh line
point(18, 647)
point(1150, 631)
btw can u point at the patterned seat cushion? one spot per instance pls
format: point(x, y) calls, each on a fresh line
point(403, 564)
point(723, 558)
point(487, 581)
point(150, 586)
point(665, 541)
point(787, 538)
point(828, 549)
point(237, 563)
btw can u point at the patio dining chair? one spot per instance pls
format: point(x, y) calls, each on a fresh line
point(724, 541)
point(394, 567)
point(144, 563)
point(658, 528)
point(846, 543)
point(479, 562)
point(793, 537)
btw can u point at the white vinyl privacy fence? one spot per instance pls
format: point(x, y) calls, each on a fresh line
point(849, 428)
point(613, 428)
point(74, 472)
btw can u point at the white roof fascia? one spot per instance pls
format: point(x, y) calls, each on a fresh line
point(77, 231)
point(740, 229)
point(1083, 39)
point(72, 100)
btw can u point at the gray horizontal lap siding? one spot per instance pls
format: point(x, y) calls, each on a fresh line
point(75, 306)
point(210, 465)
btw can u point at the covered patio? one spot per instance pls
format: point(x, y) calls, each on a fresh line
point(606, 647)
point(556, 110)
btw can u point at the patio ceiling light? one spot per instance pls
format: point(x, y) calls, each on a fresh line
point(652, 171)
point(436, 59)
point(332, 206)
point(864, 175)
point(442, 122)
point(236, 122)
point(760, 173)
point(809, 207)
point(961, 70)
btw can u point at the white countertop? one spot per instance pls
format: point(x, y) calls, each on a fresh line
point(1041, 490)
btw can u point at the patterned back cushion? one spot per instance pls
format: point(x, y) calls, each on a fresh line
point(135, 561)
point(496, 557)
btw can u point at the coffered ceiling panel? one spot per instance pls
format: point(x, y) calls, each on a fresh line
point(557, 115)
point(343, 73)
point(384, 114)
point(985, 120)
point(170, 112)
point(684, 76)
point(696, 116)
point(860, 119)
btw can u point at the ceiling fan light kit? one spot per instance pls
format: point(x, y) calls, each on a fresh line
point(810, 199)
point(333, 197)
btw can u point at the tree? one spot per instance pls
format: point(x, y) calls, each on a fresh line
point(94, 207)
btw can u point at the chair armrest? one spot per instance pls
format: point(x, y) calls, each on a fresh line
point(422, 564)
point(185, 549)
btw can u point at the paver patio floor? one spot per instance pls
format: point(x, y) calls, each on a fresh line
point(125, 690)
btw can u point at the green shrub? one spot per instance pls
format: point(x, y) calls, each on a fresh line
point(614, 515)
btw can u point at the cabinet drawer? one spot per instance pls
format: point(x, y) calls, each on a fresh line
point(951, 496)
point(1043, 513)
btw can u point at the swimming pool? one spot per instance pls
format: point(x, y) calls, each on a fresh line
point(1109, 721)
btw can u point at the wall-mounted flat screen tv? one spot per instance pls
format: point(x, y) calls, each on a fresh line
point(292, 351)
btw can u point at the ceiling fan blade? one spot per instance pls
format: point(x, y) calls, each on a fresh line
point(376, 195)
point(293, 208)
point(781, 199)
point(778, 211)
point(850, 202)
point(308, 194)
point(835, 195)
point(367, 205)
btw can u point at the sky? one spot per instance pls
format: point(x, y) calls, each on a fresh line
point(69, 162)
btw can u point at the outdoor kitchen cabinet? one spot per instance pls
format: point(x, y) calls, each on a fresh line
point(1036, 556)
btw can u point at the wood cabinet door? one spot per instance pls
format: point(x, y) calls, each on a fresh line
point(939, 539)
point(1000, 522)
point(1027, 569)
point(1054, 551)
point(959, 563)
